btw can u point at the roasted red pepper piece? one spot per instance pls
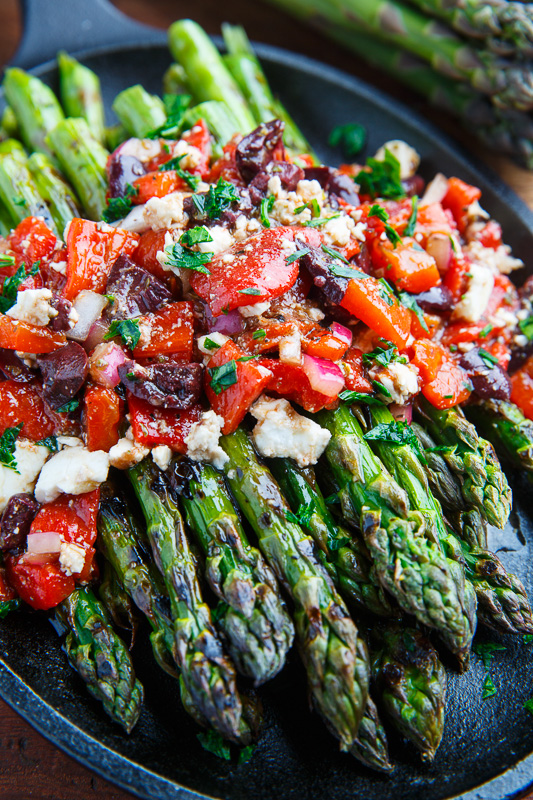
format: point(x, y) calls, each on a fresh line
point(103, 414)
point(153, 426)
point(168, 331)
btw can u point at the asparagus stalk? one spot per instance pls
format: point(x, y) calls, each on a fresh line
point(370, 747)
point(411, 685)
point(139, 112)
point(115, 135)
point(508, 83)
point(504, 425)
point(505, 27)
point(18, 192)
point(8, 124)
point(412, 568)
point(333, 653)
point(81, 94)
point(35, 106)
point(117, 602)
point(54, 190)
point(100, 657)
point(472, 458)
point(218, 117)
point(341, 551)
point(251, 613)
point(175, 80)
point(248, 72)
point(13, 147)
point(206, 673)
point(83, 161)
point(206, 73)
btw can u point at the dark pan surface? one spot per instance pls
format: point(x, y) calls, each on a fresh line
point(295, 758)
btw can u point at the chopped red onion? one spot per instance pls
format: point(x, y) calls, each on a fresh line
point(324, 376)
point(104, 362)
point(89, 306)
point(440, 247)
point(341, 332)
point(96, 335)
point(402, 413)
point(230, 324)
point(42, 543)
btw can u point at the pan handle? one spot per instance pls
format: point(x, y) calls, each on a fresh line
point(73, 25)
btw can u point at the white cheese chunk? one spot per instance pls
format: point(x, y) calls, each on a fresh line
point(473, 303)
point(33, 307)
point(254, 310)
point(290, 348)
point(221, 239)
point(162, 455)
point(71, 558)
point(282, 432)
point(30, 459)
point(126, 453)
point(74, 470)
point(215, 338)
point(143, 149)
point(202, 440)
point(400, 380)
point(163, 212)
point(406, 155)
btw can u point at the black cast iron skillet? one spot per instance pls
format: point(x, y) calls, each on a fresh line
point(486, 753)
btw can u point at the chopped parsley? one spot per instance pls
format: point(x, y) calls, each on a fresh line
point(378, 387)
point(350, 138)
point(316, 223)
point(386, 292)
point(175, 105)
point(526, 326)
point(488, 358)
point(267, 204)
point(347, 272)
point(120, 207)
point(486, 651)
point(527, 638)
point(488, 328)
point(395, 433)
point(216, 200)
point(489, 690)
point(245, 754)
point(209, 344)
point(196, 235)
point(381, 214)
point(381, 178)
point(298, 254)
point(409, 302)
point(8, 442)
point(8, 605)
point(359, 397)
point(411, 222)
point(70, 405)
point(50, 442)
point(528, 705)
point(312, 205)
point(8, 295)
point(6, 260)
point(248, 358)
point(303, 515)
point(330, 251)
point(213, 742)
point(260, 334)
point(381, 355)
point(191, 180)
point(127, 329)
point(224, 376)
point(250, 290)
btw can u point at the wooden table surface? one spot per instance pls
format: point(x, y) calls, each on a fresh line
point(30, 767)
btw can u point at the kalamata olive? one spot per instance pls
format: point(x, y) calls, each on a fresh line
point(167, 385)
point(320, 174)
point(288, 174)
point(435, 300)
point(61, 322)
point(16, 520)
point(13, 367)
point(318, 265)
point(488, 379)
point(121, 171)
point(64, 372)
point(334, 182)
point(134, 290)
point(256, 150)
point(414, 185)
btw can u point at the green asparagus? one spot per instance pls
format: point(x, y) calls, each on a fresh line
point(83, 161)
point(332, 651)
point(18, 193)
point(504, 425)
point(35, 106)
point(117, 602)
point(54, 190)
point(341, 551)
point(175, 80)
point(207, 676)
point(411, 685)
point(251, 613)
point(370, 747)
point(81, 95)
point(100, 657)
point(412, 568)
point(139, 112)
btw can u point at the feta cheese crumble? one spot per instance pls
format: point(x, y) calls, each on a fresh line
point(161, 456)
point(74, 470)
point(473, 303)
point(406, 155)
point(282, 432)
point(33, 306)
point(71, 558)
point(30, 459)
point(400, 380)
point(202, 440)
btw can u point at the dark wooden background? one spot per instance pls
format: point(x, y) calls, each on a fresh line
point(30, 767)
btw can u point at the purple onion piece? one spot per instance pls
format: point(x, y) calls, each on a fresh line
point(229, 324)
point(121, 171)
point(435, 300)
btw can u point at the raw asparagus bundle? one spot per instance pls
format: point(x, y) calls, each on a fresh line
point(341, 550)
point(412, 568)
point(333, 653)
point(100, 657)
point(251, 613)
point(410, 684)
point(482, 481)
point(207, 675)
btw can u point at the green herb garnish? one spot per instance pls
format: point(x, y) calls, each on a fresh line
point(245, 754)
point(209, 344)
point(216, 200)
point(488, 328)
point(381, 214)
point(378, 387)
point(298, 254)
point(6, 260)
point(316, 223)
point(528, 705)
point(8, 442)
point(526, 326)
point(50, 442)
point(303, 515)
point(260, 334)
point(489, 690)
point(224, 376)
point(191, 180)
point(409, 302)
point(175, 105)
point(267, 204)
point(394, 433)
point(11, 285)
point(213, 742)
point(486, 651)
point(312, 205)
point(411, 222)
point(196, 235)
point(359, 397)
point(120, 207)
point(329, 251)
point(180, 256)
point(250, 290)
point(488, 358)
point(127, 329)
point(381, 355)
point(381, 178)
point(350, 138)
point(70, 405)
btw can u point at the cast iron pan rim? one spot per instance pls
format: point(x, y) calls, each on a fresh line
point(128, 774)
